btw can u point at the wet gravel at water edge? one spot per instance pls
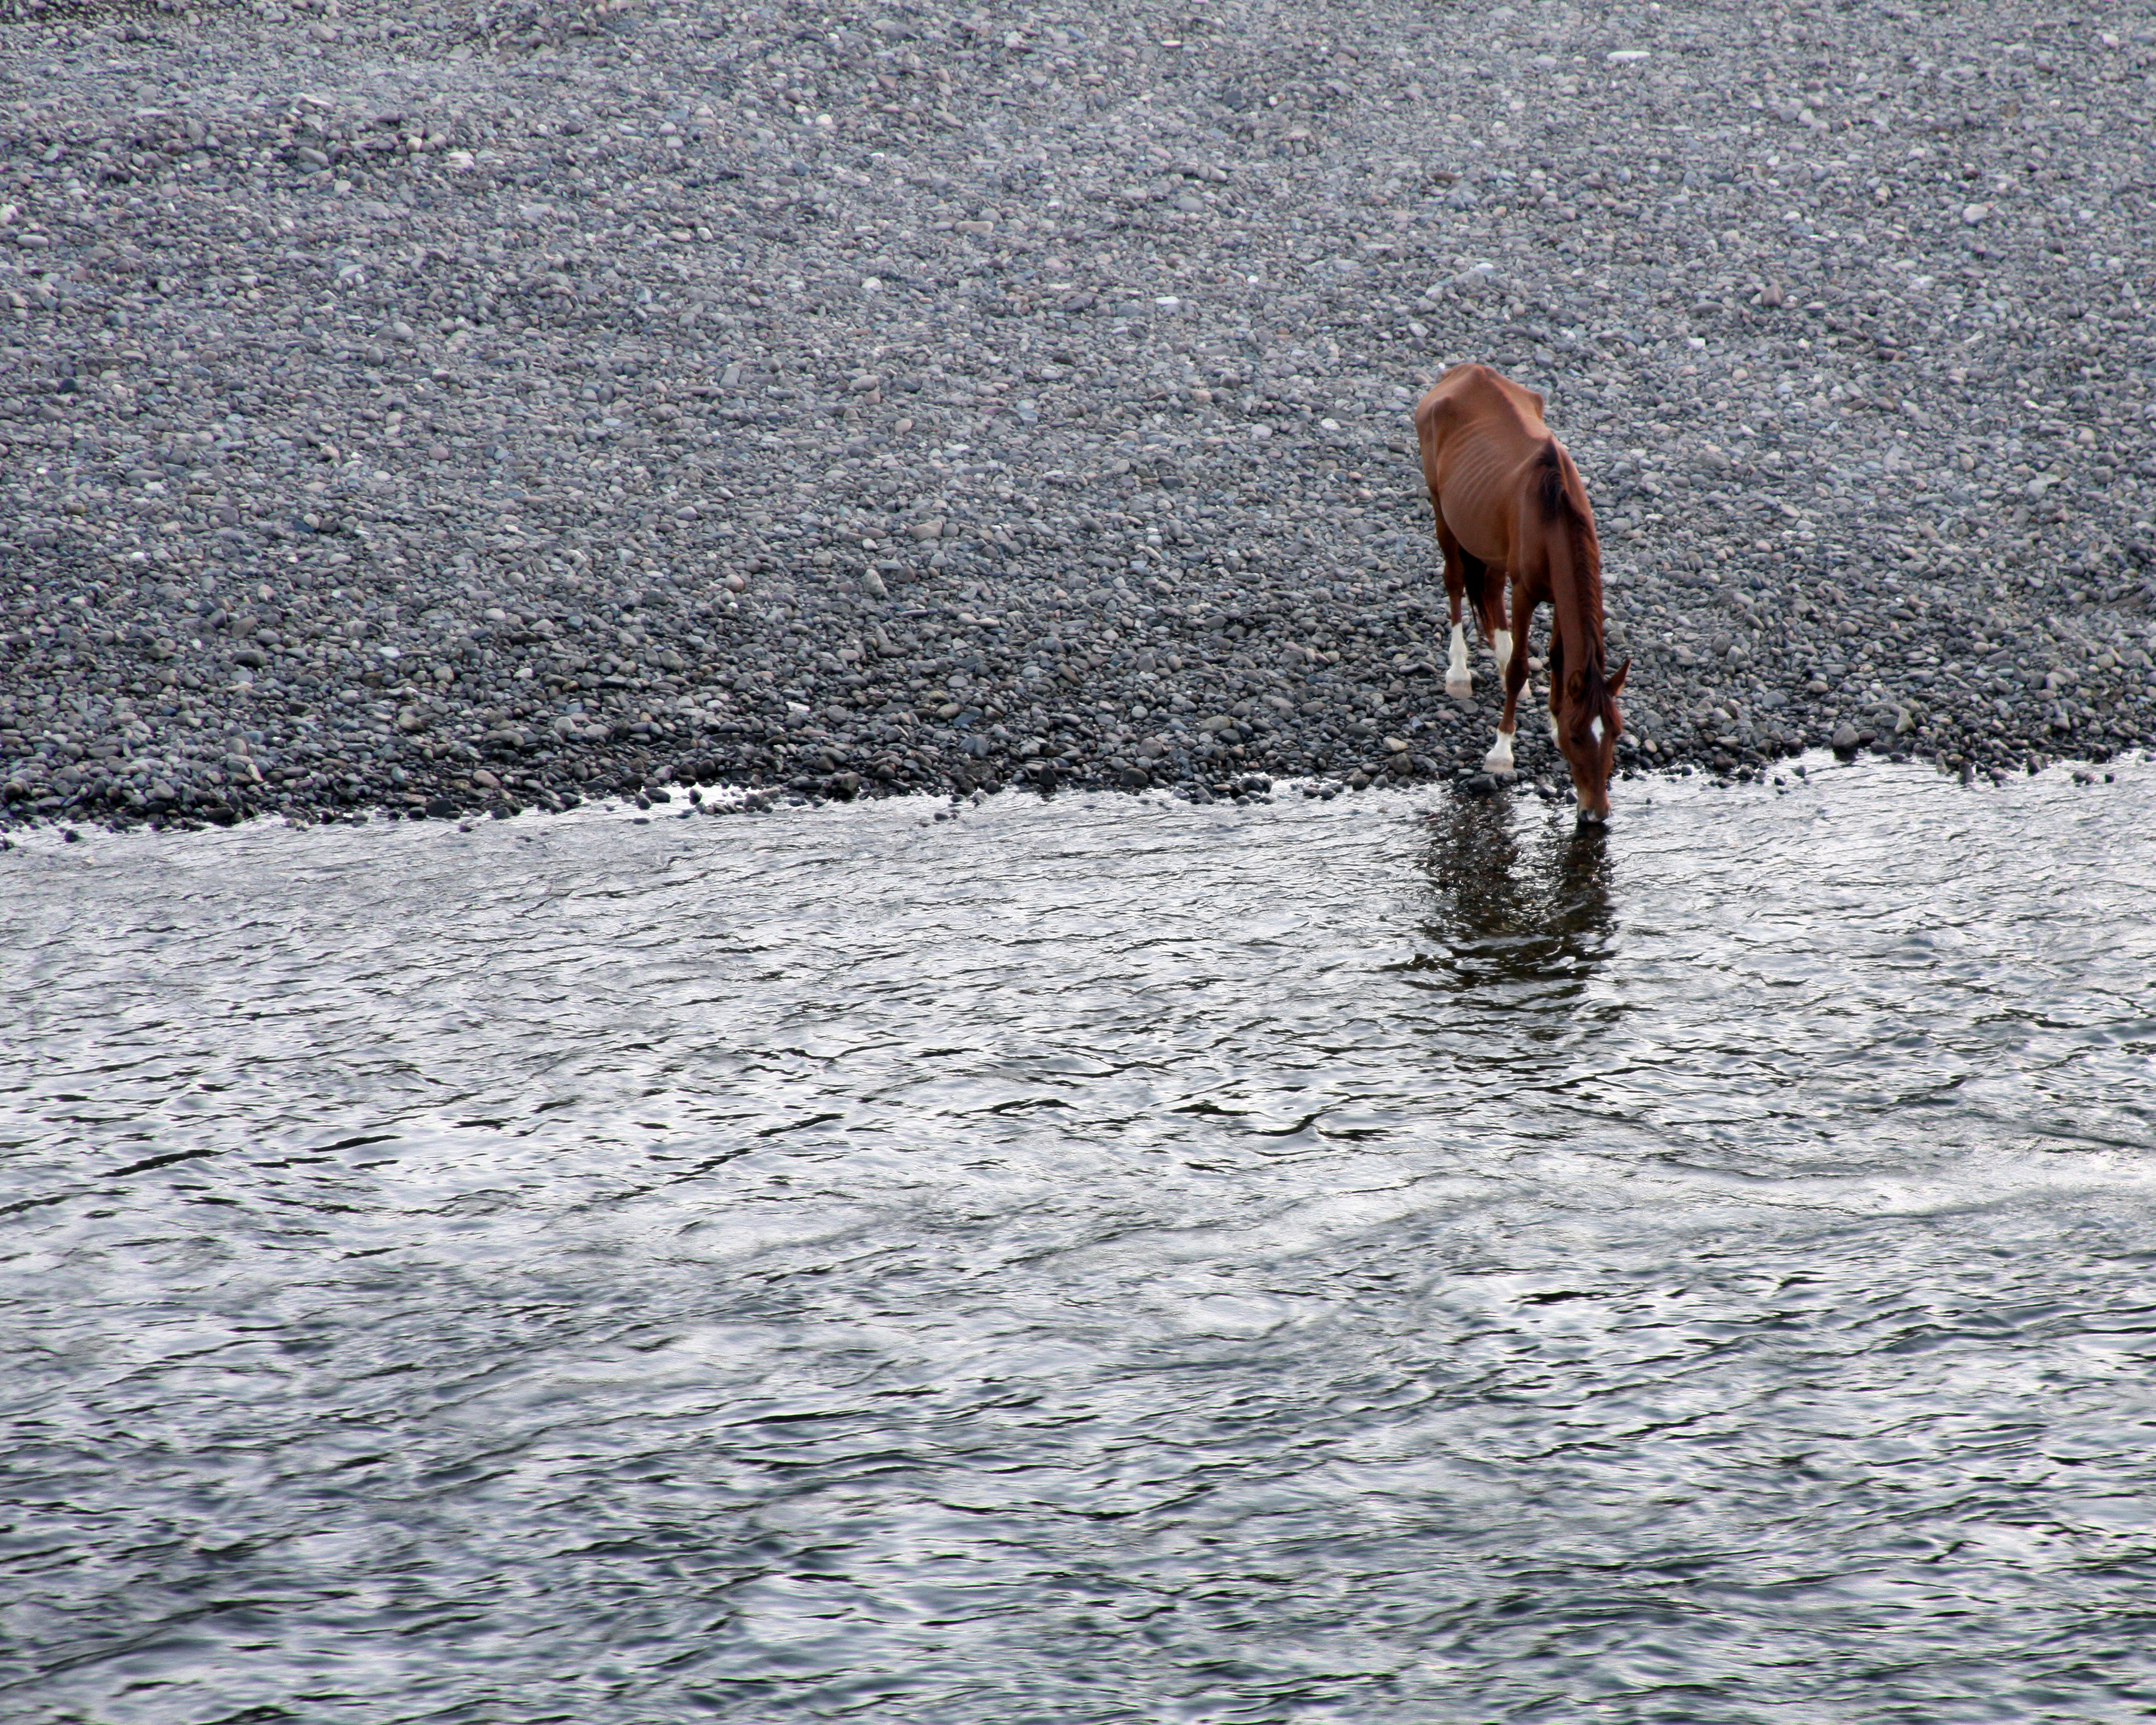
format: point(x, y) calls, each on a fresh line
point(439, 407)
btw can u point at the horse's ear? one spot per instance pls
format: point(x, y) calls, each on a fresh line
point(1617, 682)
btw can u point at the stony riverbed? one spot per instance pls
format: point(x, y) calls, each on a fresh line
point(432, 408)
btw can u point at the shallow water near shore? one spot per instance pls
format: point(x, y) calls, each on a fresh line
point(1386, 1258)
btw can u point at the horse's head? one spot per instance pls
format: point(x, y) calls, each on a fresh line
point(1587, 732)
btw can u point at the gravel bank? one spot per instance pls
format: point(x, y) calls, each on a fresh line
point(434, 409)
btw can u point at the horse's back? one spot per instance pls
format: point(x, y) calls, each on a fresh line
point(1484, 441)
point(1473, 398)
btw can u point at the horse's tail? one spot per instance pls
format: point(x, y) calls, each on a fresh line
point(1574, 557)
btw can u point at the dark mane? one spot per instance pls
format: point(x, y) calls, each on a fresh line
point(1551, 491)
point(1562, 499)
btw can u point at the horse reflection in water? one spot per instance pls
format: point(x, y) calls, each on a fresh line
point(1520, 908)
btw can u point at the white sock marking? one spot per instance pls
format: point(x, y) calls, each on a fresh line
point(1459, 680)
point(1500, 757)
point(1503, 645)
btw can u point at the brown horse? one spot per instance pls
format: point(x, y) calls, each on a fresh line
point(1510, 504)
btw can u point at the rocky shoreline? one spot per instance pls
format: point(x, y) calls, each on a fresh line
point(435, 409)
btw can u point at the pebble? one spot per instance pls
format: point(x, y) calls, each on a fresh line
point(510, 419)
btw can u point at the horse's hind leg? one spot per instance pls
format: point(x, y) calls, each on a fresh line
point(1488, 593)
point(1500, 757)
point(1459, 681)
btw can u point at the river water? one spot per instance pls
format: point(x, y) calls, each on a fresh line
point(1100, 1259)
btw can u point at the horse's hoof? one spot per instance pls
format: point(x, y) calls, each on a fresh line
point(1496, 762)
point(1460, 688)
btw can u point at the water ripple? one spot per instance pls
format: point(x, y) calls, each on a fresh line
point(1097, 1261)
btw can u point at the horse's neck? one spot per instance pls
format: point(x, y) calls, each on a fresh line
point(1576, 599)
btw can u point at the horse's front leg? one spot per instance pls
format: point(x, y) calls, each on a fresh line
point(1553, 668)
point(1500, 757)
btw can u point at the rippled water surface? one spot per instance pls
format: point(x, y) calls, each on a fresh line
point(1103, 1260)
